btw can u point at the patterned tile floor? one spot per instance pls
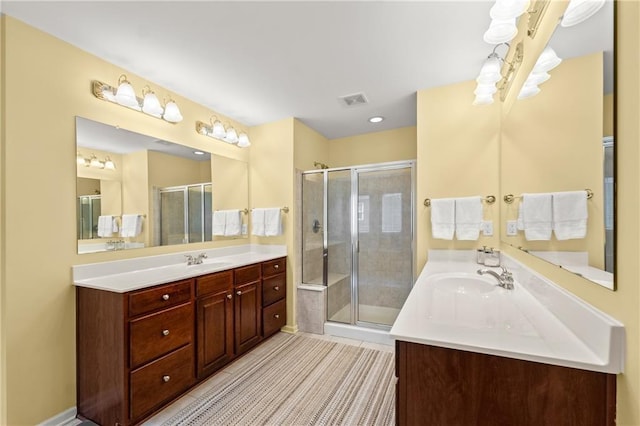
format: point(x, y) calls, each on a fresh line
point(196, 392)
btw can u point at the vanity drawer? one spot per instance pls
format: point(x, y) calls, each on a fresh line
point(247, 274)
point(160, 333)
point(274, 317)
point(214, 283)
point(143, 301)
point(273, 289)
point(274, 267)
point(161, 380)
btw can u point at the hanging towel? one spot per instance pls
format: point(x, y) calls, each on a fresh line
point(257, 222)
point(219, 222)
point(272, 222)
point(537, 216)
point(233, 223)
point(570, 215)
point(468, 218)
point(131, 225)
point(443, 218)
point(105, 226)
point(520, 221)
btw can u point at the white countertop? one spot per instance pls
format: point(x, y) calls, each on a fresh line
point(121, 276)
point(537, 321)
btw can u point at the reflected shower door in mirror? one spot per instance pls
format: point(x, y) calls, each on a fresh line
point(129, 171)
point(562, 140)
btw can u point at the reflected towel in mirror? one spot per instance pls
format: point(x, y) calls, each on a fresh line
point(131, 225)
point(570, 215)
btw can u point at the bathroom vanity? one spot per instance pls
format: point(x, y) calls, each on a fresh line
point(471, 353)
point(145, 337)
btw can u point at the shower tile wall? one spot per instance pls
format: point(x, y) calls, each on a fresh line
point(385, 271)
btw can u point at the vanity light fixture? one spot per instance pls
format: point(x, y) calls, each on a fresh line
point(580, 10)
point(540, 73)
point(216, 130)
point(125, 95)
point(504, 14)
point(93, 161)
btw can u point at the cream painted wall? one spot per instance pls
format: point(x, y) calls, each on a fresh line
point(38, 325)
point(168, 170)
point(457, 155)
point(271, 184)
point(230, 187)
point(3, 280)
point(376, 147)
point(309, 147)
point(552, 142)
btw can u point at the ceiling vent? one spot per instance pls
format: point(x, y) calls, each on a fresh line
point(353, 100)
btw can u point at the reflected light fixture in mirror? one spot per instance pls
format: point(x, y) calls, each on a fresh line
point(93, 161)
point(125, 95)
point(216, 130)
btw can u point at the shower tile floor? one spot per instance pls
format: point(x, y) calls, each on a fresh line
point(368, 313)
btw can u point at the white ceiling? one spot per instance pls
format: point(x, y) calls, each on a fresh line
point(263, 61)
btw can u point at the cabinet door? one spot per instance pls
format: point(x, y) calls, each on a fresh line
point(215, 332)
point(248, 316)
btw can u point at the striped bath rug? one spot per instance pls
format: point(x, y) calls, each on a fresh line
point(302, 381)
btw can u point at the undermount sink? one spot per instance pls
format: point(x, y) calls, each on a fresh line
point(208, 265)
point(463, 283)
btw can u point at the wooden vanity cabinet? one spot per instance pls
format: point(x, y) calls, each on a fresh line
point(138, 351)
point(274, 290)
point(135, 350)
point(247, 307)
point(439, 386)
point(214, 306)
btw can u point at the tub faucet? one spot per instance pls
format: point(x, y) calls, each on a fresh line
point(505, 279)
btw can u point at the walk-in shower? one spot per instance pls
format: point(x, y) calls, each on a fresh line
point(358, 240)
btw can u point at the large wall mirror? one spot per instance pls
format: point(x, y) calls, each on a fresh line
point(563, 139)
point(136, 191)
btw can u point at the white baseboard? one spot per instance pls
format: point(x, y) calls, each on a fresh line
point(65, 418)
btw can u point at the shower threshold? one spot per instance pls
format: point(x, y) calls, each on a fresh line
point(372, 335)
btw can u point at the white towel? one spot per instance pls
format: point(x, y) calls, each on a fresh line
point(105, 226)
point(537, 216)
point(468, 218)
point(570, 214)
point(233, 223)
point(520, 221)
point(443, 218)
point(257, 222)
point(272, 222)
point(219, 222)
point(131, 225)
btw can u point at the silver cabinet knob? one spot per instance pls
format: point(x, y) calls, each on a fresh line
point(239, 293)
point(276, 288)
point(276, 316)
point(229, 296)
point(165, 297)
point(166, 378)
point(276, 266)
point(165, 332)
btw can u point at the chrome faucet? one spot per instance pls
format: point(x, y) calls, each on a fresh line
point(195, 260)
point(190, 259)
point(505, 279)
point(201, 257)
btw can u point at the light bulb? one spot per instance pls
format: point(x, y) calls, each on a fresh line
point(243, 140)
point(506, 9)
point(218, 130)
point(151, 105)
point(490, 71)
point(172, 112)
point(528, 90)
point(547, 61)
point(501, 31)
point(108, 164)
point(483, 100)
point(232, 136)
point(579, 11)
point(125, 95)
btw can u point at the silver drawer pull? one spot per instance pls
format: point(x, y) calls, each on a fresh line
point(276, 288)
point(165, 297)
point(276, 266)
point(166, 378)
point(229, 296)
point(239, 293)
point(165, 332)
point(276, 316)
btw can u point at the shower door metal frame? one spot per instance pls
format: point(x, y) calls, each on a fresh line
point(354, 171)
point(355, 240)
point(185, 191)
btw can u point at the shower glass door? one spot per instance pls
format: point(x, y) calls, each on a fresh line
point(383, 234)
point(338, 246)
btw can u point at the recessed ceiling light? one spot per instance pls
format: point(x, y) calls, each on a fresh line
point(376, 119)
point(198, 152)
